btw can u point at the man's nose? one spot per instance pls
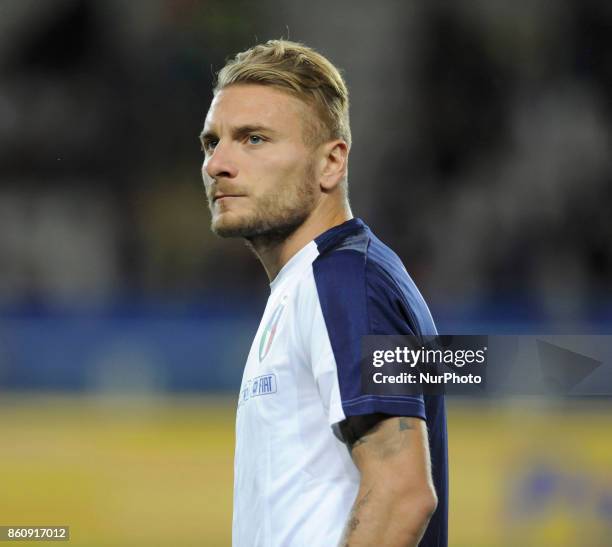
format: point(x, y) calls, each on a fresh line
point(219, 162)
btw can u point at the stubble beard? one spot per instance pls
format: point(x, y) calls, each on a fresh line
point(276, 216)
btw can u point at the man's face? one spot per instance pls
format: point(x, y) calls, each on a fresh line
point(258, 171)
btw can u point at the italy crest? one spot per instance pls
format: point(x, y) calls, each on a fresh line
point(269, 332)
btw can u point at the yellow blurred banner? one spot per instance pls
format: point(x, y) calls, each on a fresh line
point(530, 472)
point(158, 471)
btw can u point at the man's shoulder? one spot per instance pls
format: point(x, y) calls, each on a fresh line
point(357, 270)
point(354, 236)
point(352, 251)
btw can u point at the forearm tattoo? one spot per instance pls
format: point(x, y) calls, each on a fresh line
point(359, 430)
point(354, 518)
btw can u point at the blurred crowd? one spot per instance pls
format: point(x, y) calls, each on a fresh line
point(482, 137)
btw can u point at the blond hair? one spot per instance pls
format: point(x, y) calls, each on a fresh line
point(301, 71)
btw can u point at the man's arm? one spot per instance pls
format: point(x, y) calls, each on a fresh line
point(396, 496)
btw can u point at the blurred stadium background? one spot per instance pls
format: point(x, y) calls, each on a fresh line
point(482, 139)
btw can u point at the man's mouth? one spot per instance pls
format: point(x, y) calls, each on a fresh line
point(221, 197)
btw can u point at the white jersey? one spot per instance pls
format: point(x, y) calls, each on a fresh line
point(294, 480)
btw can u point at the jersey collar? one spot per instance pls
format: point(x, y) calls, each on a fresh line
point(329, 238)
point(304, 257)
point(307, 254)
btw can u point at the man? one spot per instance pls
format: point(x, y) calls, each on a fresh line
point(276, 142)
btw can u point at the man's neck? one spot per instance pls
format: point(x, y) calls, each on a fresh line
point(274, 255)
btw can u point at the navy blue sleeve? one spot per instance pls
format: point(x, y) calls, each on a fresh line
point(358, 298)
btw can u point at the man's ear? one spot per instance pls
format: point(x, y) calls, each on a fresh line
point(334, 162)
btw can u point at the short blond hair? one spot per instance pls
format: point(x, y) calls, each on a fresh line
point(301, 71)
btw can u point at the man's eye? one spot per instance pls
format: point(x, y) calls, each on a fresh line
point(209, 145)
point(255, 139)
